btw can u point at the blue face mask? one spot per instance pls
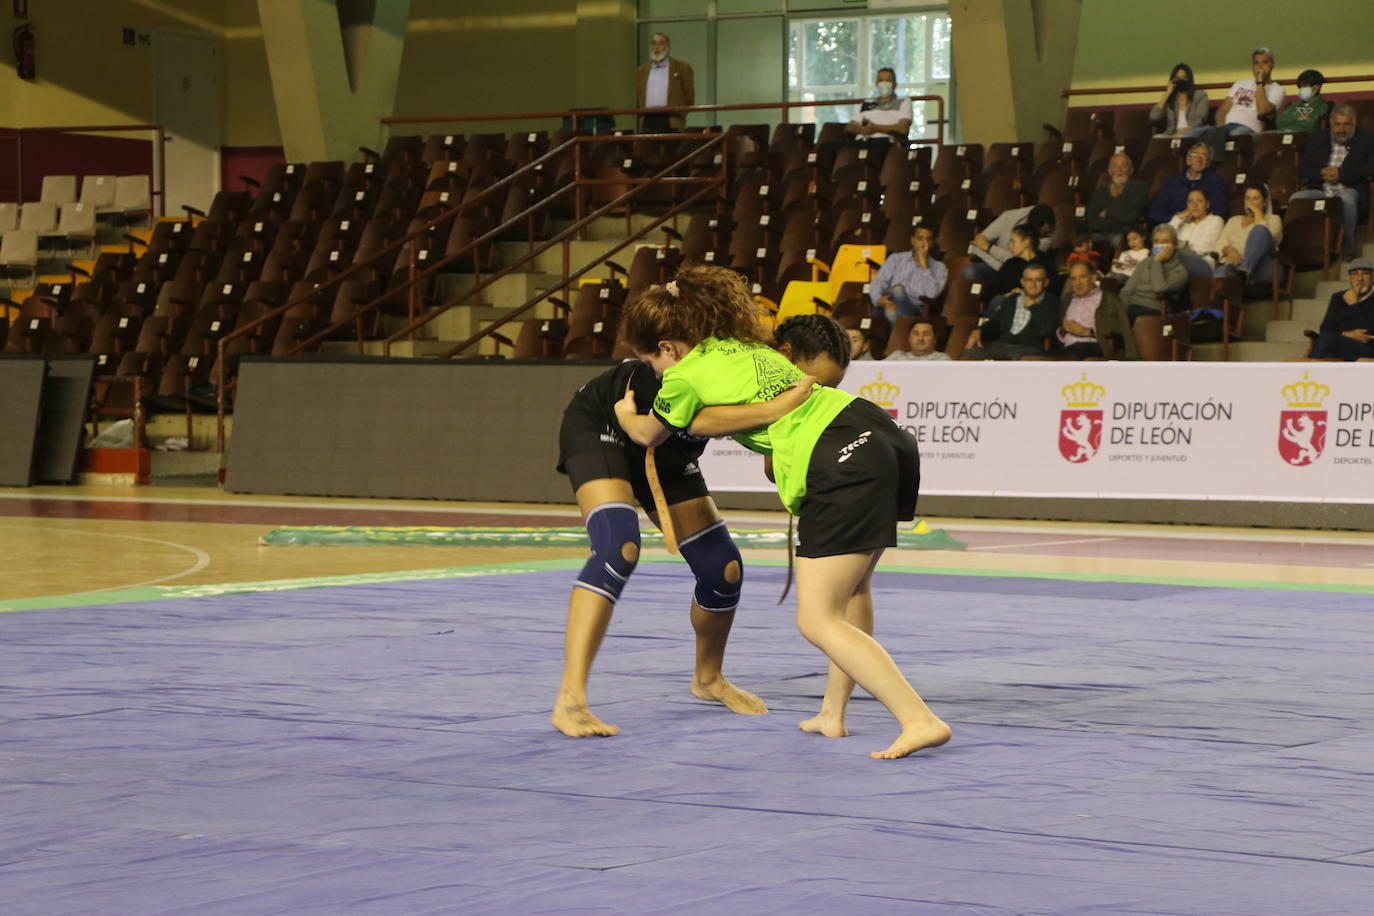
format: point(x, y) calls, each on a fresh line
point(1157, 249)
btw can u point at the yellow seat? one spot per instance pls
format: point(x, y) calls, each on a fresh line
point(851, 265)
point(800, 298)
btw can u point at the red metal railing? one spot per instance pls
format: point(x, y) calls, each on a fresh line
point(576, 115)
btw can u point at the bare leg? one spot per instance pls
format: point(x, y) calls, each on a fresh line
point(824, 588)
point(838, 685)
point(712, 629)
point(589, 614)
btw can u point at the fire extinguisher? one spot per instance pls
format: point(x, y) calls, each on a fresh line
point(24, 52)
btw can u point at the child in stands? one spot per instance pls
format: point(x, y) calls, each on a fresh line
point(840, 463)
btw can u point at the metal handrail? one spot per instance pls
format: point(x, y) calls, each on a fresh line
point(596, 262)
point(576, 227)
point(574, 115)
point(387, 250)
point(1136, 90)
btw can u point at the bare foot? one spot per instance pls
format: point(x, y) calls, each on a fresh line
point(574, 719)
point(728, 695)
point(827, 725)
point(931, 732)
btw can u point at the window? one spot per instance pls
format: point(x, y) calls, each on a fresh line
point(837, 59)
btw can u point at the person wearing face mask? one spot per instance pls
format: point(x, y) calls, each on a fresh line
point(1182, 109)
point(1196, 175)
point(1309, 112)
point(1347, 330)
point(1118, 204)
point(1159, 276)
point(664, 82)
point(1338, 163)
point(886, 117)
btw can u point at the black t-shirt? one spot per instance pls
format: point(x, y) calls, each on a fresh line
point(592, 409)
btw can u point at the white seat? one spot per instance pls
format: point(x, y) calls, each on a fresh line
point(78, 222)
point(9, 217)
point(99, 192)
point(132, 195)
point(19, 249)
point(59, 189)
point(40, 217)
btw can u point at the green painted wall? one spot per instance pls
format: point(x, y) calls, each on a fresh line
point(1123, 44)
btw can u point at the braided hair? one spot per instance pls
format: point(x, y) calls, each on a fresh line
point(811, 335)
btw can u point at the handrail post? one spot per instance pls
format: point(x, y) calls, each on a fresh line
point(220, 402)
point(577, 179)
point(411, 292)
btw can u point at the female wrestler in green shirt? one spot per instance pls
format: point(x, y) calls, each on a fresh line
point(840, 464)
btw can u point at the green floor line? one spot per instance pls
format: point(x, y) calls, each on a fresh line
point(165, 592)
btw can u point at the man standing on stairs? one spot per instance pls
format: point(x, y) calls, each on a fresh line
point(1347, 331)
point(664, 82)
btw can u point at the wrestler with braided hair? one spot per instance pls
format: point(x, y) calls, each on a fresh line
point(815, 344)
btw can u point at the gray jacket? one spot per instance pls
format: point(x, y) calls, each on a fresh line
point(1154, 278)
point(1196, 114)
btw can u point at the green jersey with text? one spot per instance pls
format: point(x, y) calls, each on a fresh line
point(725, 372)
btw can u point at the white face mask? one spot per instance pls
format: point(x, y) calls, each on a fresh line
point(1306, 93)
point(885, 89)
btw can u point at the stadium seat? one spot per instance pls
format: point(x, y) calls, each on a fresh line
point(58, 189)
point(77, 224)
point(9, 216)
point(19, 252)
point(98, 191)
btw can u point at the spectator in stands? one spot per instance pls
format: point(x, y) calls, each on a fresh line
point(1251, 105)
point(1118, 204)
point(1082, 251)
point(859, 345)
point(1007, 280)
point(1157, 277)
point(920, 343)
point(664, 82)
point(1198, 231)
point(907, 279)
point(991, 247)
point(1022, 323)
point(1090, 314)
point(1135, 251)
point(1338, 163)
point(1173, 196)
point(1246, 246)
point(1347, 330)
point(1309, 112)
point(886, 117)
point(1182, 110)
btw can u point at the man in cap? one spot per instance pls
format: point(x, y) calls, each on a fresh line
point(1347, 331)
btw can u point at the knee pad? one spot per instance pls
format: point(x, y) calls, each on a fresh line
point(614, 532)
point(715, 561)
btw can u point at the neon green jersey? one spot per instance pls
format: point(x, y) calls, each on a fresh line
point(726, 372)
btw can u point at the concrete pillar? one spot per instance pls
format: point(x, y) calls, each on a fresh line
point(334, 71)
point(1011, 61)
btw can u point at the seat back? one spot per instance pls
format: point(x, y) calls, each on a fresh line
point(132, 194)
point(98, 191)
point(58, 189)
point(40, 217)
point(19, 248)
point(78, 220)
point(9, 216)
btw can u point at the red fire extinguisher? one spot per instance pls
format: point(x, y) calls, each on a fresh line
point(24, 52)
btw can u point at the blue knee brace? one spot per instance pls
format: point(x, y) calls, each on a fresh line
point(715, 560)
point(614, 532)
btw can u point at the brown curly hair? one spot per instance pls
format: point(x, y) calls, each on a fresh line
point(710, 302)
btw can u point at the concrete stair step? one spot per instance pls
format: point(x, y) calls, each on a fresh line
point(508, 292)
point(580, 253)
point(1251, 351)
point(1286, 331)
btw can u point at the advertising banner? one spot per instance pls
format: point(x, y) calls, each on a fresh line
point(1276, 432)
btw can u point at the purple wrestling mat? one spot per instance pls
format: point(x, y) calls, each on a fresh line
point(1117, 748)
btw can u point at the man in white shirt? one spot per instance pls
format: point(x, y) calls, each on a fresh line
point(886, 117)
point(1252, 105)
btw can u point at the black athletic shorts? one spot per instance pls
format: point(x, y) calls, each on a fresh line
point(592, 449)
point(863, 479)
